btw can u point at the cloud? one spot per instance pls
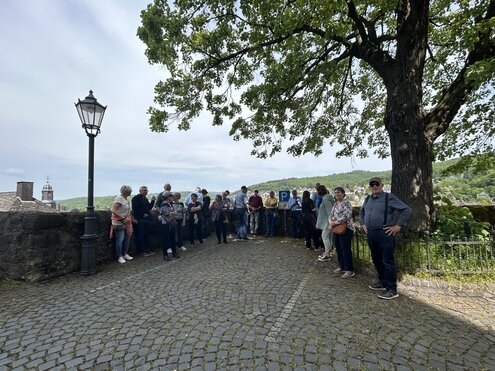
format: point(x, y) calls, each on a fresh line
point(13, 172)
point(54, 52)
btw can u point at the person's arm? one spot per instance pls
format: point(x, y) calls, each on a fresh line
point(291, 203)
point(404, 215)
point(116, 209)
point(150, 203)
point(158, 201)
point(405, 211)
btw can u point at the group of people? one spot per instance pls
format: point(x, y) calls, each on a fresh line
point(325, 220)
point(195, 215)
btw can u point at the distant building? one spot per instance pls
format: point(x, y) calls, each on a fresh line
point(22, 200)
point(47, 195)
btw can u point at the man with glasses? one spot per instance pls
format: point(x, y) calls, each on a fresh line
point(378, 219)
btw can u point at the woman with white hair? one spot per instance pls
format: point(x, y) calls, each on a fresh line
point(122, 224)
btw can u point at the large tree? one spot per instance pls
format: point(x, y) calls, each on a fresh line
point(408, 79)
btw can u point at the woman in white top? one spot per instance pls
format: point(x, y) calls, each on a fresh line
point(122, 224)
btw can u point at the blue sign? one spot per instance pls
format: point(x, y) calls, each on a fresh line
point(284, 196)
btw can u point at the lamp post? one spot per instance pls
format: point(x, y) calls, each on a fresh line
point(91, 114)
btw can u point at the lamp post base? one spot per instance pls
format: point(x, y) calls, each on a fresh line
point(88, 255)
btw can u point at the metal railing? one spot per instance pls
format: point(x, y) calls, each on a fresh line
point(422, 253)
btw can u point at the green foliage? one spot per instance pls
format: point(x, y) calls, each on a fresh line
point(80, 203)
point(347, 180)
point(313, 72)
point(458, 222)
point(465, 187)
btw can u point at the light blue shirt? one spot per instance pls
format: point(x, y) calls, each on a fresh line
point(324, 211)
point(293, 206)
point(241, 200)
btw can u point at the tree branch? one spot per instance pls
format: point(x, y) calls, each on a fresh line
point(352, 12)
point(277, 40)
point(344, 83)
point(438, 120)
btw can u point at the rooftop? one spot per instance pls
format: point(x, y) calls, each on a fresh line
point(10, 202)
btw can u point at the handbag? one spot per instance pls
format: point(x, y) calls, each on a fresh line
point(339, 228)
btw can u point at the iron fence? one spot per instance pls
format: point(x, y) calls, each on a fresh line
point(422, 253)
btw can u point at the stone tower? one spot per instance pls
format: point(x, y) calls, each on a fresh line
point(47, 194)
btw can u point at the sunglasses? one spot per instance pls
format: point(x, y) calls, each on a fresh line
point(374, 184)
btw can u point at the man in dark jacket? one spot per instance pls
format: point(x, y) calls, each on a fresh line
point(141, 209)
point(380, 225)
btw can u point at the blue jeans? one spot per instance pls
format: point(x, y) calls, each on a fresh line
point(382, 249)
point(270, 215)
point(242, 218)
point(122, 240)
point(342, 244)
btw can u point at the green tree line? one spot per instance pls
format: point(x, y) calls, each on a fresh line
point(465, 186)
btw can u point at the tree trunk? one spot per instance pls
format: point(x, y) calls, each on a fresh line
point(412, 156)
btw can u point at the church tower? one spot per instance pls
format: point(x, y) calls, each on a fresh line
point(47, 194)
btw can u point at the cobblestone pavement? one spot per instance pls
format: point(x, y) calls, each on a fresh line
point(264, 305)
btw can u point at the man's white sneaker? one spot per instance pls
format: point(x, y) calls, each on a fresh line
point(169, 251)
point(128, 257)
point(121, 259)
point(183, 248)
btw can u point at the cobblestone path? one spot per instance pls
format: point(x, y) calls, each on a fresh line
point(264, 305)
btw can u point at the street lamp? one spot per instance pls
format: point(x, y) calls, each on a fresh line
point(91, 114)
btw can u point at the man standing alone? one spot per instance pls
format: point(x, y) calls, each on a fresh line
point(377, 218)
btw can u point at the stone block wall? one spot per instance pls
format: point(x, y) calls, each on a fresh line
point(37, 246)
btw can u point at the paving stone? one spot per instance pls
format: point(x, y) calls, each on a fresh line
point(198, 314)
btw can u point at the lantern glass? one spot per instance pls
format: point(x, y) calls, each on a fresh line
point(91, 114)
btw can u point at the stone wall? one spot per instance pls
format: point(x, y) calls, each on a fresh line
point(37, 246)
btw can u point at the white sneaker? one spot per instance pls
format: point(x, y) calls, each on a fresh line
point(169, 251)
point(183, 248)
point(128, 257)
point(121, 259)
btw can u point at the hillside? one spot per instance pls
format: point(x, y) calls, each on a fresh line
point(465, 187)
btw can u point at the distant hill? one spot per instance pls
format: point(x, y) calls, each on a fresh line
point(102, 203)
point(345, 180)
point(465, 187)
point(81, 203)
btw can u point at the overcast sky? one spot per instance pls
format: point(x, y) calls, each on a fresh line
point(53, 52)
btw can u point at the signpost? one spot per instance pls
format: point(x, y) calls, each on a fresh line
point(283, 201)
